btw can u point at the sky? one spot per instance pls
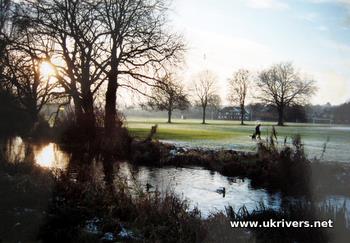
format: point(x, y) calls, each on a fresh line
point(225, 35)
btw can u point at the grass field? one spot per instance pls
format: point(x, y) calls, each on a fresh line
point(231, 135)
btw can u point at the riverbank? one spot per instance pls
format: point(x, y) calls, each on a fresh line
point(277, 168)
point(87, 200)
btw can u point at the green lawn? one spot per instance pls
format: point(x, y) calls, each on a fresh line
point(229, 134)
point(189, 130)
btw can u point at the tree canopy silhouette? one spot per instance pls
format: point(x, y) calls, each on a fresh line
point(169, 96)
point(205, 90)
point(238, 89)
point(100, 44)
point(281, 86)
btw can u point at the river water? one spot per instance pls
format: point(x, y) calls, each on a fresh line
point(202, 188)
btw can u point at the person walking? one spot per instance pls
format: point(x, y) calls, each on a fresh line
point(257, 133)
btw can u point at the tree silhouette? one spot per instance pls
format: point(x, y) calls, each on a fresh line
point(139, 47)
point(73, 30)
point(238, 89)
point(282, 86)
point(20, 64)
point(122, 42)
point(205, 90)
point(169, 96)
point(4, 19)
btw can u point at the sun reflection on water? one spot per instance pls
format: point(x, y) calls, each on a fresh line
point(46, 156)
point(50, 157)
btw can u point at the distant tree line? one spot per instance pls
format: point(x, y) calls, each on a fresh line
point(280, 87)
point(266, 112)
point(341, 113)
point(338, 114)
point(334, 113)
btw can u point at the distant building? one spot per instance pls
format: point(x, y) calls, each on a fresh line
point(232, 113)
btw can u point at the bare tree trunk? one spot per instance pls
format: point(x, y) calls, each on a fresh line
point(110, 106)
point(77, 109)
point(111, 93)
point(280, 116)
point(87, 120)
point(107, 163)
point(204, 110)
point(33, 114)
point(169, 115)
point(242, 114)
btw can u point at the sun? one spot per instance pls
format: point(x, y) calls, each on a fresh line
point(46, 70)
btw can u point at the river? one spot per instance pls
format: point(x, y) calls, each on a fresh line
point(200, 187)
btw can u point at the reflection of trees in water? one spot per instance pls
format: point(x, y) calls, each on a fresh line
point(28, 153)
point(89, 166)
point(81, 166)
point(108, 169)
point(14, 149)
point(128, 175)
point(113, 170)
point(134, 169)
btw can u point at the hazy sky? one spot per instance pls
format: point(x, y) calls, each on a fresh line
point(253, 34)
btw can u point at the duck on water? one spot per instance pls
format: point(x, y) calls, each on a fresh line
point(221, 190)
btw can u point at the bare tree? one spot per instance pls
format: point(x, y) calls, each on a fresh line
point(4, 19)
point(170, 95)
point(23, 78)
point(4, 11)
point(238, 89)
point(21, 68)
point(4, 16)
point(73, 29)
point(282, 86)
point(118, 41)
point(139, 47)
point(205, 90)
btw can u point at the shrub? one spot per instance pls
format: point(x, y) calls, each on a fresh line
point(150, 216)
point(25, 190)
point(287, 168)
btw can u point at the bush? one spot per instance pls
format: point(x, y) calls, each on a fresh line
point(150, 216)
point(287, 169)
point(25, 190)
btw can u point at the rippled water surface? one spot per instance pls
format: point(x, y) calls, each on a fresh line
point(203, 188)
